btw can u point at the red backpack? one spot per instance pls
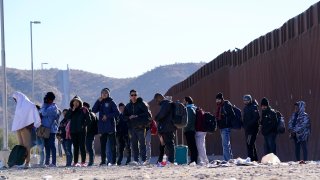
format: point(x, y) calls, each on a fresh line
point(153, 128)
point(200, 120)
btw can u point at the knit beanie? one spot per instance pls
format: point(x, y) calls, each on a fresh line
point(264, 102)
point(219, 96)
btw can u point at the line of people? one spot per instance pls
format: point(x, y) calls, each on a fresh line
point(127, 127)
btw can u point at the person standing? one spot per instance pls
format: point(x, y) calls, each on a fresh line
point(300, 129)
point(251, 125)
point(92, 130)
point(269, 127)
point(190, 131)
point(40, 144)
point(108, 112)
point(166, 128)
point(65, 140)
point(50, 117)
point(224, 116)
point(79, 118)
point(138, 116)
point(25, 117)
point(123, 136)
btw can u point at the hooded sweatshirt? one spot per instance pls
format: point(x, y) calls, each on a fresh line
point(300, 123)
point(79, 118)
point(25, 114)
point(191, 108)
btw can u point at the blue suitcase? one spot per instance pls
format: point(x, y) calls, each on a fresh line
point(181, 152)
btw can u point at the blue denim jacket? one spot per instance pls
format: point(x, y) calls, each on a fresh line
point(50, 116)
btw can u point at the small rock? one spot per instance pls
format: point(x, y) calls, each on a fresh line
point(74, 170)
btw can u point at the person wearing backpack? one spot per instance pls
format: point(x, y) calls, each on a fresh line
point(92, 130)
point(190, 131)
point(251, 125)
point(108, 112)
point(300, 130)
point(25, 117)
point(66, 142)
point(224, 116)
point(123, 136)
point(138, 117)
point(79, 118)
point(166, 128)
point(50, 116)
point(269, 127)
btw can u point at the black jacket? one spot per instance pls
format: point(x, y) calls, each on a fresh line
point(251, 118)
point(269, 122)
point(79, 118)
point(164, 117)
point(227, 114)
point(122, 126)
point(140, 109)
point(92, 127)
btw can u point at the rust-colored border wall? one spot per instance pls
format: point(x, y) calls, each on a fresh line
point(283, 65)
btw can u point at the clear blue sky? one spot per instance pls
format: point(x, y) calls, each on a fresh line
point(125, 38)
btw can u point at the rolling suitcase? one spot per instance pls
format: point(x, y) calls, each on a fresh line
point(181, 151)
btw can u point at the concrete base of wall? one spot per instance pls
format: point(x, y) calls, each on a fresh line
point(4, 156)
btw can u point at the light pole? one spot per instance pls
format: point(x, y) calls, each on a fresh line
point(43, 64)
point(4, 93)
point(32, 22)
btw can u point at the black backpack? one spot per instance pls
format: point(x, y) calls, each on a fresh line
point(236, 123)
point(17, 156)
point(281, 126)
point(180, 115)
point(210, 123)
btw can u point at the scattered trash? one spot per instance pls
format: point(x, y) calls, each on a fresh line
point(270, 159)
point(47, 177)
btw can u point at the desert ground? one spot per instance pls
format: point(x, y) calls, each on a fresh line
point(290, 170)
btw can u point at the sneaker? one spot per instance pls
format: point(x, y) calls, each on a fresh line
point(160, 164)
point(90, 164)
point(134, 163)
point(109, 164)
point(146, 163)
point(102, 164)
point(76, 164)
point(52, 165)
point(193, 164)
point(84, 165)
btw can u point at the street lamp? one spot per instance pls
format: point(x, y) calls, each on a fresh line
point(43, 64)
point(4, 93)
point(32, 22)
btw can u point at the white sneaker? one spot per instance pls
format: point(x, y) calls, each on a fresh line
point(134, 163)
point(146, 163)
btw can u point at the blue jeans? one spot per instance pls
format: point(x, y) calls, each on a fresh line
point(270, 144)
point(40, 145)
point(298, 146)
point(50, 148)
point(226, 144)
point(67, 147)
point(89, 146)
point(148, 144)
point(138, 144)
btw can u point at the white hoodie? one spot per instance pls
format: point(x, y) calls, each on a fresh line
point(26, 112)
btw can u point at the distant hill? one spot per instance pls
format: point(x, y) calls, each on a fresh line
point(88, 85)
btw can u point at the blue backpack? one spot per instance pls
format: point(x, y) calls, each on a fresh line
point(236, 123)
